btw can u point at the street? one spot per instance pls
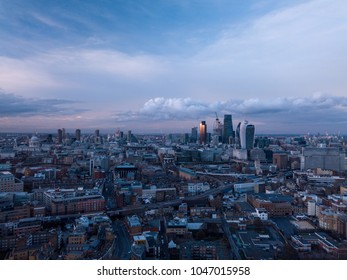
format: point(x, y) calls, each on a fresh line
point(122, 248)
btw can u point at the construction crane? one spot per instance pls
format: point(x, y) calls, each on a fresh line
point(217, 127)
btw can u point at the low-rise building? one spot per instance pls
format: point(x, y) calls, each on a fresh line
point(8, 183)
point(275, 204)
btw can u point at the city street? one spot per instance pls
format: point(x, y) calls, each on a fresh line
point(122, 248)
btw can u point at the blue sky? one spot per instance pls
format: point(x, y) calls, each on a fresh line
point(162, 66)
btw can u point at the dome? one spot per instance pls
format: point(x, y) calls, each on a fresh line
point(34, 139)
point(34, 142)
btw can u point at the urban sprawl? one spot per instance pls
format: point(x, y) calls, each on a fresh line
point(219, 195)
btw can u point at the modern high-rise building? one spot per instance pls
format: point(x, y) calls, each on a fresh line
point(247, 132)
point(228, 131)
point(60, 136)
point(203, 132)
point(237, 136)
point(64, 133)
point(194, 135)
point(78, 134)
point(97, 133)
point(97, 138)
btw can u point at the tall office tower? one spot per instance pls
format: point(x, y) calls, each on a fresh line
point(228, 131)
point(78, 134)
point(247, 132)
point(97, 138)
point(203, 132)
point(194, 135)
point(64, 133)
point(237, 136)
point(129, 136)
point(60, 136)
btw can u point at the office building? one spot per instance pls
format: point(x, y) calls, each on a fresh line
point(78, 134)
point(228, 131)
point(237, 136)
point(329, 158)
point(194, 135)
point(280, 160)
point(60, 136)
point(247, 132)
point(8, 183)
point(72, 201)
point(203, 132)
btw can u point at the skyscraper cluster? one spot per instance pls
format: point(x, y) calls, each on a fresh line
point(242, 138)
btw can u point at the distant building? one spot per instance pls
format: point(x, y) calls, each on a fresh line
point(177, 226)
point(228, 131)
point(194, 135)
point(134, 225)
point(328, 220)
point(261, 213)
point(275, 204)
point(280, 160)
point(97, 138)
point(126, 170)
point(245, 187)
point(8, 183)
point(311, 208)
point(325, 158)
point(78, 134)
point(71, 201)
point(203, 132)
point(60, 136)
point(238, 136)
point(197, 188)
point(187, 173)
point(240, 154)
point(204, 252)
point(247, 132)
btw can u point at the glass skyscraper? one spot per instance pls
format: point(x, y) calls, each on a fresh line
point(247, 132)
point(228, 130)
point(203, 132)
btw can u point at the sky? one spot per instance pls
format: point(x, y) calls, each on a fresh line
point(162, 66)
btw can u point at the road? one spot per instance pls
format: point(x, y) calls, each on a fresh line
point(122, 249)
point(234, 248)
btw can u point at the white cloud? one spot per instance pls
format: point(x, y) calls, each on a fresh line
point(313, 111)
point(77, 72)
point(48, 21)
point(264, 67)
point(289, 51)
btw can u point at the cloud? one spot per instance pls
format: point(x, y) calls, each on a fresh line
point(78, 71)
point(47, 21)
point(291, 50)
point(316, 109)
point(17, 106)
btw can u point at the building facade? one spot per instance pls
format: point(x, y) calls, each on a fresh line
point(8, 183)
point(228, 131)
point(203, 132)
point(247, 132)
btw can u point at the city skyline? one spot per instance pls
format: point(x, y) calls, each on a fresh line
point(164, 67)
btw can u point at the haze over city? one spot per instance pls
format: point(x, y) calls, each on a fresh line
point(163, 66)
